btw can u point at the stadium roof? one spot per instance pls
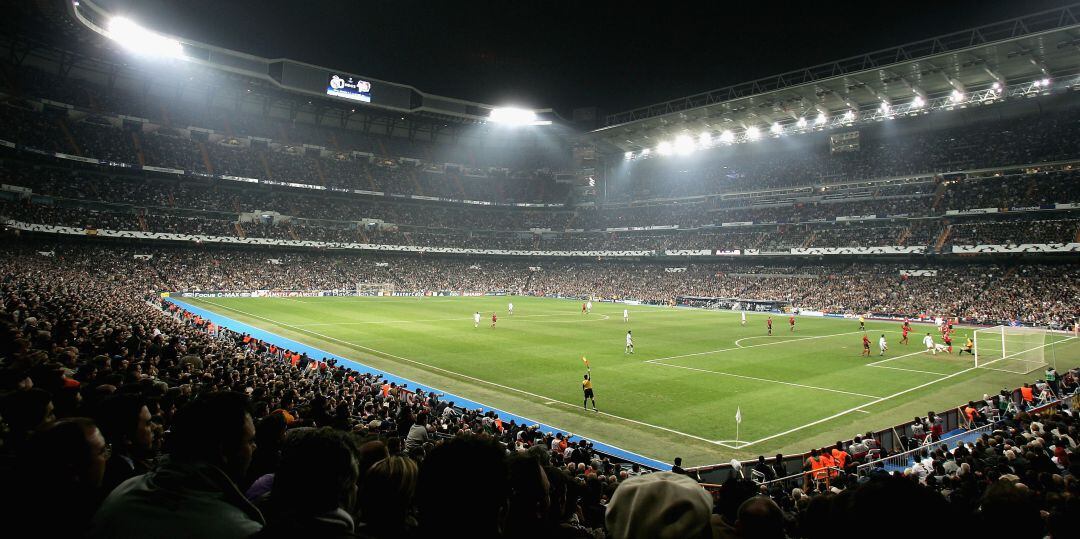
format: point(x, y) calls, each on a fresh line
point(1000, 56)
point(304, 78)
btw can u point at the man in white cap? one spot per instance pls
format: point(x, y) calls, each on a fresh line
point(661, 505)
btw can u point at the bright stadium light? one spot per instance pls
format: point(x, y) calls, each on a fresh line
point(996, 86)
point(629, 155)
point(821, 119)
point(801, 122)
point(849, 115)
point(956, 96)
point(705, 139)
point(752, 133)
point(727, 136)
point(684, 144)
point(645, 151)
point(142, 41)
point(1045, 83)
point(918, 102)
point(664, 148)
point(885, 108)
point(776, 128)
point(512, 116)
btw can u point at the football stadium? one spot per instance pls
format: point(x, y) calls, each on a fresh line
point(246, 295)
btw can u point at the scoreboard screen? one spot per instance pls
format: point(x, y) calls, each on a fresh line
point(348, 87)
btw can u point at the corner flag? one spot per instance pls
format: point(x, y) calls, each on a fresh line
point(738, 415)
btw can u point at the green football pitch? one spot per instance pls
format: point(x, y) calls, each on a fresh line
point(676, 395)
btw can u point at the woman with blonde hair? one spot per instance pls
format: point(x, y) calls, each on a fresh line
point(386, 497)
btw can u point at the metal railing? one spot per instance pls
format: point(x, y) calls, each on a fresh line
point(904, 459)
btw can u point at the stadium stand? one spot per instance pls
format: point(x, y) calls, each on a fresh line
point(124, 414)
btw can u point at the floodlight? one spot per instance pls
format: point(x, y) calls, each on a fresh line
point(956, 96)
point(885, 108)
point(705, 139)
point(918, 102)
point(629, 155)
point(821, 119)
point(801, 122)
point(996, 86)
point(645, 151)
point(752, 133)
point(1046, 83)
point(849, 115)
point(776, 128)
point(664, 148)
point(142, 41)
point(727, 136)
point(512, 116)
point(684, 144)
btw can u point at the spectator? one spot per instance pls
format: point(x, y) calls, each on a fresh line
point(59, 478)
point(315, 487)
point(125, 423)
point(660, 505)
point(464, 475)
point(210, 449)
point(387, 492)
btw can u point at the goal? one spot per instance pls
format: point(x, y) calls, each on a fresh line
point(1012, 349)
point(374, 289)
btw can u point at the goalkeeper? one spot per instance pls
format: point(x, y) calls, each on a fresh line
point(969, 347)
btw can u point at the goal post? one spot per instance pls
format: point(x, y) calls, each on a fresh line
point(374, 289)
point(1019, 350)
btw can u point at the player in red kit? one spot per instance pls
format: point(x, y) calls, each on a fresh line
point(905, 329)
point(582, 308)
point(865, 346)
point(768, 323)
point(948, 342)
point(494, 319)
point(791, 322)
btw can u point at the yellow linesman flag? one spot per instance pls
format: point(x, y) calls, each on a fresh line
point(586, 361)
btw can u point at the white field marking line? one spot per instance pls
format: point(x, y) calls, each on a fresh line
point(601, 319)
point(749, 346)
point(523, 392)
point(876, 363)
point(862, 411)
point(755, 378)
point(469, 319)
point(882, 399)
point(907, 370)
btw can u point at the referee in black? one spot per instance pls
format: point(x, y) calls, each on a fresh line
point(586, 386)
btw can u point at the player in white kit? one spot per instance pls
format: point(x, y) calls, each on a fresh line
point(629, 344)
point(588, 307)
point(743, 318)
point(625, 315)
point(882, 345)
point(928, 341)
point(476, 319)
point(510, 308)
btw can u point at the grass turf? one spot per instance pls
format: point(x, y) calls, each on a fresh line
point(675, 396)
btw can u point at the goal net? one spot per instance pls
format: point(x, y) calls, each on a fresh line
point(374, 289)
point(1017, 350)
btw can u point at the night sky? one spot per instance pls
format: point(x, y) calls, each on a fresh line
point(564, 54)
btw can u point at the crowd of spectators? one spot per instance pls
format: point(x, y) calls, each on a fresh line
point(114, 400)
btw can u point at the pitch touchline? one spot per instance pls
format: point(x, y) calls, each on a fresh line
point(523, 392)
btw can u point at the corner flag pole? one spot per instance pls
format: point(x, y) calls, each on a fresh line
point(738, 421)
